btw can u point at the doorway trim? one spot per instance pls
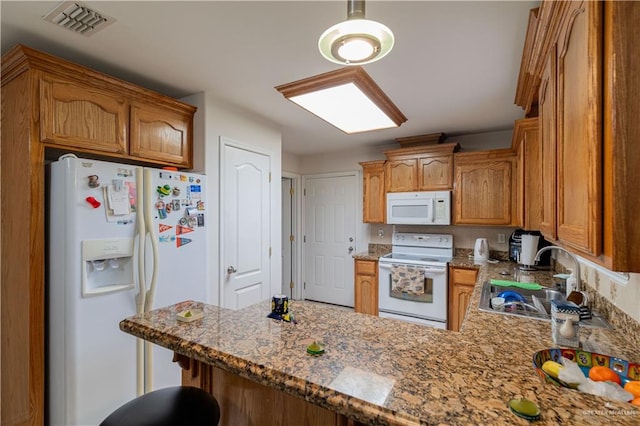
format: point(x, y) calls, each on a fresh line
point(296, 218)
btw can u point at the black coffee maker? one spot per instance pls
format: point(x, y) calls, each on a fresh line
point(515, 246)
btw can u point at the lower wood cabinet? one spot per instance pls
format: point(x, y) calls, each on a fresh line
point(366, 286)
point(461, 284)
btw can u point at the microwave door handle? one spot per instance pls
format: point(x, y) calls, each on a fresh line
point(431, 216)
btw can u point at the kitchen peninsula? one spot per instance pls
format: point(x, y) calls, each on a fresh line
point(375, 370)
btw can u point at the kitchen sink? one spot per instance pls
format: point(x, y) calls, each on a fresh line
point(527, 308)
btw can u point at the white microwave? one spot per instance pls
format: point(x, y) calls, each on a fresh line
point(419, 208)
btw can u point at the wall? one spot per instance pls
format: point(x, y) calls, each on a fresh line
point(623, 293)
point(215, 119)
point(463, 236)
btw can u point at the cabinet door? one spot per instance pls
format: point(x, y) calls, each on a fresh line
point(402, 175)
point(532, 162)
point(460, 297)
point(547, 129)
point(366, 287)
point(75, 115)
point(435, 173)
point(579, 124)
point(374, 198)
point(160, 134)
point(483, 193)
point(461, 284)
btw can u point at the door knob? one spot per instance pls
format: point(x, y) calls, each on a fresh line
point(350, 249)
point(231, 270)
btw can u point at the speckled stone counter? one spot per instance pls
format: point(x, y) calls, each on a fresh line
point(382, 371)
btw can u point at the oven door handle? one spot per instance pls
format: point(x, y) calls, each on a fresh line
point(427, 269)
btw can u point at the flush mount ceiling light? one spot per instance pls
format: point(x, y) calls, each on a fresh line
point(347, 98)
point(356, 41)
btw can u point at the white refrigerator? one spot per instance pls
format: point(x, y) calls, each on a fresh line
point(122, 240)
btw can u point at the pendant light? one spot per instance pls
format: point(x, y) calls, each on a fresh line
point(357, 40)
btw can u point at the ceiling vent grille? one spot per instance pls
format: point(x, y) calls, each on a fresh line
point(79, 18)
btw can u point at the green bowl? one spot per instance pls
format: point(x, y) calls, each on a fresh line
point(626, 370)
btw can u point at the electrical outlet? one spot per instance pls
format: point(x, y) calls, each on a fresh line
point(380, 233)
point(502, 238)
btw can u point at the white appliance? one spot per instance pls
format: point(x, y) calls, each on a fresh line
point(419, 208)
point(481, 251)
point(122, 240)
point(529, 248)
point(428, 256)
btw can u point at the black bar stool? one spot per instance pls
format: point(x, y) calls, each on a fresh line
point(174, 406)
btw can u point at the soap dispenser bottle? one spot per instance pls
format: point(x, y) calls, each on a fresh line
point(571, 282)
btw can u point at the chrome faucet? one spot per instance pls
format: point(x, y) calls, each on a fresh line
point(576, 270)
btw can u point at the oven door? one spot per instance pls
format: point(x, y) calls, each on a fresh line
point(431, 303)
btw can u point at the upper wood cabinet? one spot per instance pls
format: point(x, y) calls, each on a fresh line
point(526, 141)
point(374, 197)
point(584, 57)
point(161, 134)
point(547, 132)
point(486, 188)
point(86, 111)
point(420, 168)
point(579, 127)
point(73, 114)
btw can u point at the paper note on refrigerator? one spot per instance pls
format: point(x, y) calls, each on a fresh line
point(118, 200)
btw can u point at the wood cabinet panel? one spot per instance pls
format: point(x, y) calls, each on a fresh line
point(526, 138)
point(421, 168)
point(76, 115)
point(374, 197)
point(579, 138)
point(160, 134)
point(402, 175)
point(547, 123)
point(366, 287)
point(461, 284)
point(486, 188)
point(245, 402)
point(435, 173)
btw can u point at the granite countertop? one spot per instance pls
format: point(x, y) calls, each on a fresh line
point(382, 371)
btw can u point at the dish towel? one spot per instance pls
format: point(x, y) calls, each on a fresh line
point(407, 279)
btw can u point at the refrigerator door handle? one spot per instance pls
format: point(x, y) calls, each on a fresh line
point(140, 237)
point(151, 231)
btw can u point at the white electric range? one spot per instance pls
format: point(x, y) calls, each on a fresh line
point(428, 256)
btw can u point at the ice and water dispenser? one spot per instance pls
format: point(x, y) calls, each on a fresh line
point(107, 265)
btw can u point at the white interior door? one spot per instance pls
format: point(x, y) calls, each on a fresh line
point(330, 238)
point(245, 228)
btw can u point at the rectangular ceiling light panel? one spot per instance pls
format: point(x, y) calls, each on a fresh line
point(346, 98)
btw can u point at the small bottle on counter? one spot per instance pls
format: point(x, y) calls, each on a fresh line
point(565, 323)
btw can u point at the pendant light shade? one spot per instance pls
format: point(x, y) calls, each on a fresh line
point(357, 40)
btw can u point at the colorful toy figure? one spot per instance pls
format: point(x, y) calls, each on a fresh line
point(164, 190)
point(162, 212)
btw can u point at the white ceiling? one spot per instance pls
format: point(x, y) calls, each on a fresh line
point(453, 69)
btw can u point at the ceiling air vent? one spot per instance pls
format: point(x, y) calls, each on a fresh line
point(79, 18)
